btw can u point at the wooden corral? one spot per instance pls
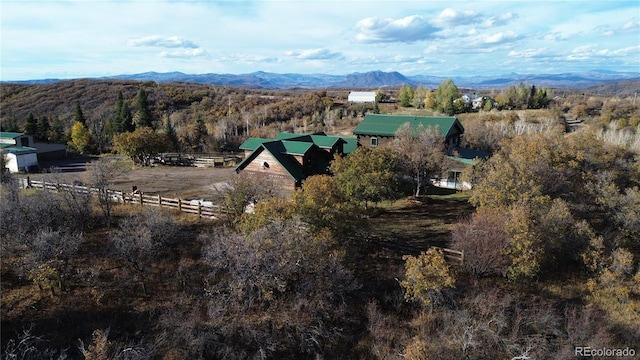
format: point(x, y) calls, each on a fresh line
point(200, 208)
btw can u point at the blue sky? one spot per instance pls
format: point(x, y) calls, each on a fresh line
point(75, 39)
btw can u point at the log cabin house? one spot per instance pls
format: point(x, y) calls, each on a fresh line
point(380, 130)
point(377, 129)
point(290, 158)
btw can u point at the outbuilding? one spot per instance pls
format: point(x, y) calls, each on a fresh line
point(362, 97)
point(20, 158)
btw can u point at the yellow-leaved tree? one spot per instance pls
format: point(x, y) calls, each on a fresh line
point(80, 137)
point(426, 276)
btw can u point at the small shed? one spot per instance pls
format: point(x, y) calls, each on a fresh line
point(362, 97)
point(20, 158)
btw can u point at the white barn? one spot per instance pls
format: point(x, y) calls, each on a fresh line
point(15, 147)
point(20, 158)
point(362, 97)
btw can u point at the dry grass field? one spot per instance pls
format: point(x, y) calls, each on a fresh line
point(168, 181)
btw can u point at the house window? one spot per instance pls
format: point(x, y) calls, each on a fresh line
point(374, 142)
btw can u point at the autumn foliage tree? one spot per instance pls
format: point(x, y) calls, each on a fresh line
point(427, 275)
point(422, 152)
point(368, 175)
point(142, 144)
point(80, 137)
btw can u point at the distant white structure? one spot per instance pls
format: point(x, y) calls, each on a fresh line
point(362, 96)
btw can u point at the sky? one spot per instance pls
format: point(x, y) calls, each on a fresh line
point(77, 39)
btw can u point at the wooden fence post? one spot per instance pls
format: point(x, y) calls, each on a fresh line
point(159, 201)
point(199, 209)
point(28, 182)
point(179, 204)
point(141, 202)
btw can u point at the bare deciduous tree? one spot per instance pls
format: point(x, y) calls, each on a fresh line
point(101, 175)
point(140, 238)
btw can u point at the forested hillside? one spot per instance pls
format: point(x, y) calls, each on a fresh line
point(205, 118)
point(540, 260)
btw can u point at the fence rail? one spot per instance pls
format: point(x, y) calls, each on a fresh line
point(199, 160)
point(452, 256)
point(196, 207)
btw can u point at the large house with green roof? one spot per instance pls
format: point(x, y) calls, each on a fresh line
point(377, 129)
point(290, 158)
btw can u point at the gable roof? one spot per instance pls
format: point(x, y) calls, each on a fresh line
point(387, 125)
point(279, 152)
point(296, 147)
point(252, 143)
point(320, 139)
point(287, 145)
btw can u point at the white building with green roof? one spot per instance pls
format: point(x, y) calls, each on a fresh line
point(17, 152)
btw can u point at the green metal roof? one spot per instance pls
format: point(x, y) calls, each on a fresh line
point(467, 156)
point(10, 135)
point(278, 150)
point(296, 147)
point(351, 144)
point(253, 143)
point(321, 140)
point(19, 149)
point(287, 144)
point(387, 125)
point(287, 136)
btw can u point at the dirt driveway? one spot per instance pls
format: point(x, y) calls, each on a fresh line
point(169, 181)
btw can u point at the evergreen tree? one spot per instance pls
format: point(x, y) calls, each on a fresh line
point(31, 126)
point(79, 116)
point(117, 123)
point(126, 118)
point(10, 124)
point(171, 133)
point(43, 129)
point(201, 133)
point(57, 131)
point(449, 108)
point(143, 114)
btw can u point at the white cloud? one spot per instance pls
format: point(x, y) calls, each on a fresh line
point(451, 17)
point(315, 54)
point(184, 53)
point(631, 25)
point(159, 41)
point(408, 29)
point(500, 20)
point(528, 53)
point(499, 37)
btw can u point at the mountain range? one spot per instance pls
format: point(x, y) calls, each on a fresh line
point(376, 79)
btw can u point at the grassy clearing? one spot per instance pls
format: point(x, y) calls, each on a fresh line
point(411, 225)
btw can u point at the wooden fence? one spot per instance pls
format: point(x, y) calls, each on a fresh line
point(199, 160)
point(196, 207)
point(452, 256)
